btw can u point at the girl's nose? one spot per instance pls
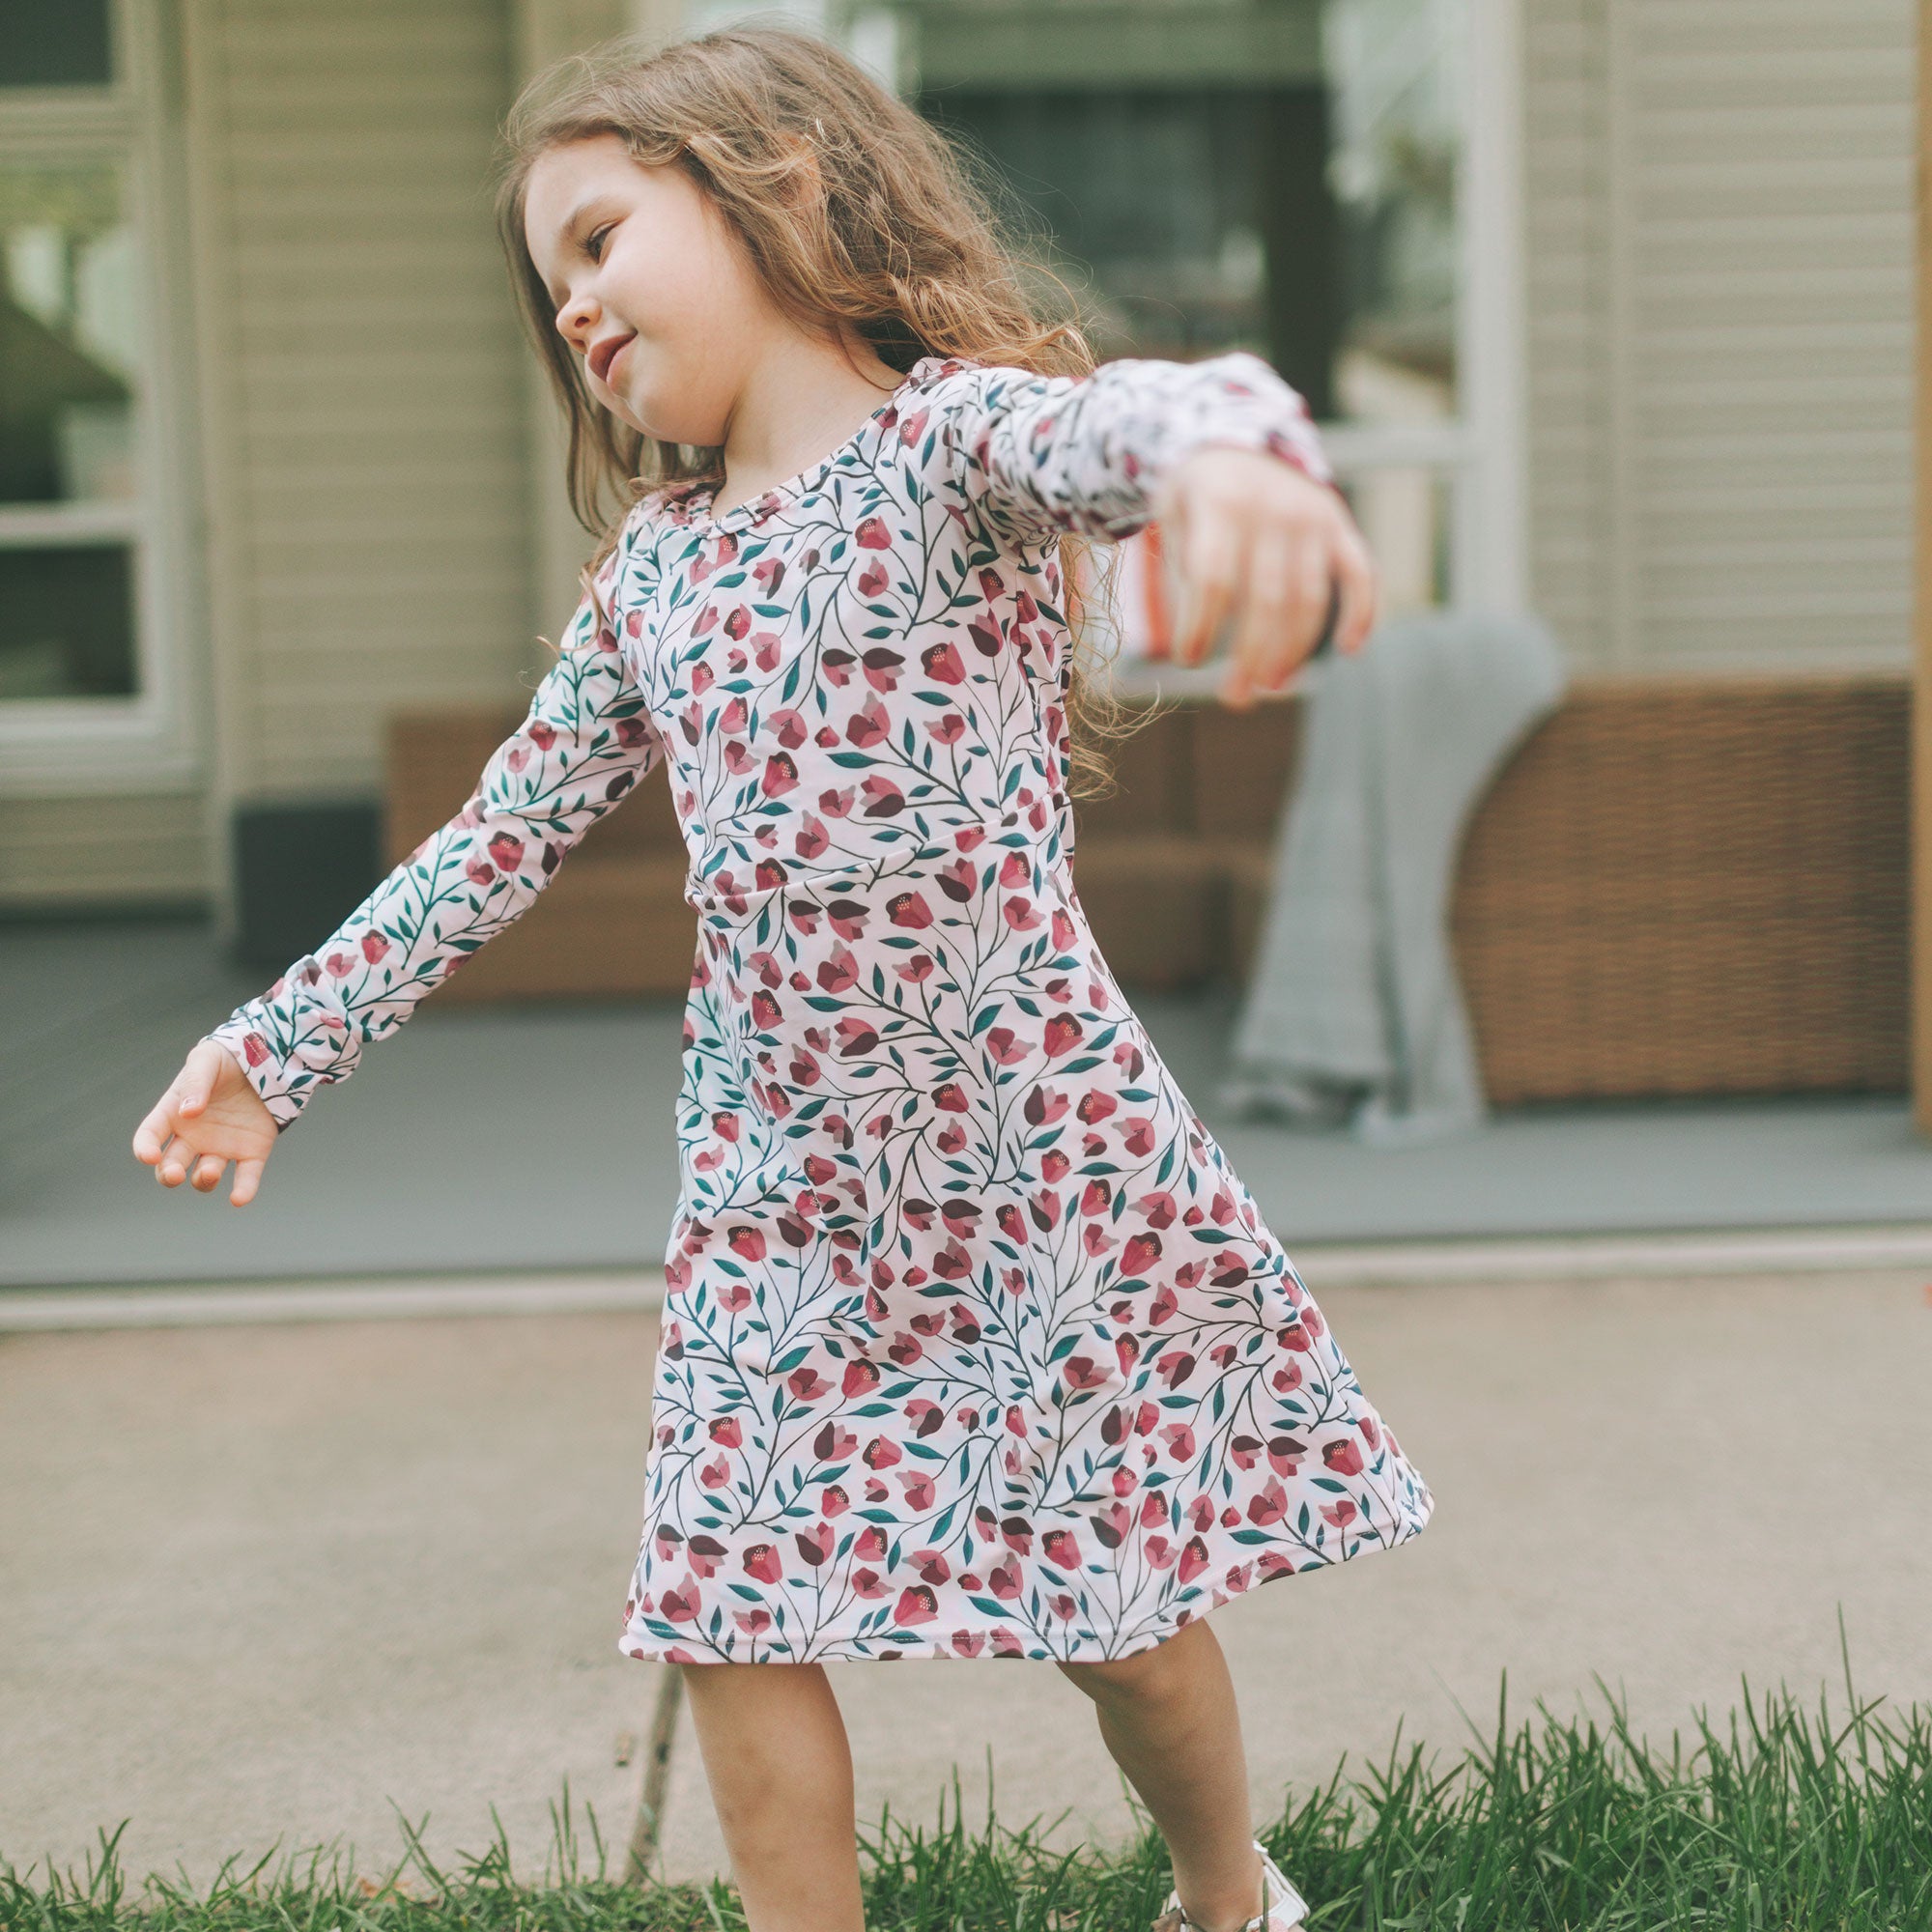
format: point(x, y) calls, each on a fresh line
point(575, 320)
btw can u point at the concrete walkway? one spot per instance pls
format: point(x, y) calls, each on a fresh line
point(265, 1580)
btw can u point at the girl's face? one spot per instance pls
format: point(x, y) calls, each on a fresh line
point(652, 286)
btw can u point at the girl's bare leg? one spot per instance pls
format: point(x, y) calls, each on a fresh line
point(779, 1768)
point(1169, 1717)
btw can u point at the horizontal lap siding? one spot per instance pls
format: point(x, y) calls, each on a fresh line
point(1721, 259)
point(374, 517)
point(127, 851)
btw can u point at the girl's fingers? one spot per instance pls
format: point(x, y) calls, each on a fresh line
point(207, 1171)
point(1356, 573)
point(1210, 550)
point(1261, 647)
point(247, 1178)
point(1308, 613)
point(151, 1136)
point(172, 1170)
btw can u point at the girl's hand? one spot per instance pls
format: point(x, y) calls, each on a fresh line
point(1253, 536)
point(208, 1117)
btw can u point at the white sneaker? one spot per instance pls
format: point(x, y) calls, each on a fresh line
point(1283, 1908)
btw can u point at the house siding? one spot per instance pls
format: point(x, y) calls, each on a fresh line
point(1721, 249)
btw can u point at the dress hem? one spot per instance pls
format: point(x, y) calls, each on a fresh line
point(656, 1650)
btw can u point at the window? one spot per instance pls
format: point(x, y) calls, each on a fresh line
point(1290, 177)
point(88, 530)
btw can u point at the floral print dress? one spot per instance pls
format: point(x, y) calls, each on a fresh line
point(972, 1342)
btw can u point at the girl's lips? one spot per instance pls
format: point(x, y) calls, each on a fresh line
point(603, 362)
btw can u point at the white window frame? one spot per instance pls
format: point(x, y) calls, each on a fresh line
point(150, 742)
point(1482, 452)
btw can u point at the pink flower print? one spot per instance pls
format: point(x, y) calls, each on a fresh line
point(706, 1554)
point(883, 796)
point(1007, 1642)
point(725, 1430)
point(748, 1243)
point(871, 1547)
point(1112, 1525)
point(835, 1442)
point(873, 534)
point(781, 774)
point(1082, 1371)
point(1341, 1512)
point(913, 427)
point(985, 636)
point(1140, 1253)
point(917, 1605)
point(541, 734)
point(925, 1415)
point(753, 1623)
point(871, 725)
point(932, 1565)
point(507, 851)
point(1344, 1458)
point(1297, 1335)
point(255, 1048)
point(867, 1583)
point(1004, 1046)
point(1062, 1607)
point(1159, 1551)
point(968, 1643)
point(833, 1500)
point(735, 1297)
point(860, 1376)
point(814, 1546)
point(1193, 1560)
point(340, 965)
point(1062, 1549)
point(682, 1605)
point(807, 1384)
point(1005, 1581)
point(881, 1453)
point(909, 909)
point(1271, 1506)
point(480, 872)
point(1179, 1440)
point(882, 668)
point(716, 1475)
point(943, 664)
point(1062, 1035)
point(1245, 1451)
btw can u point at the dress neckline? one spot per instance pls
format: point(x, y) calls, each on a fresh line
point(692, 501)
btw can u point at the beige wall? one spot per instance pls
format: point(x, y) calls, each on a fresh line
point(1721, 260)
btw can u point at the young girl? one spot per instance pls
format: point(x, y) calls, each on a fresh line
point(974, 1344)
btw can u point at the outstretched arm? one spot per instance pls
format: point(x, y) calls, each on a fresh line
point(587, 740)
point(1222, 452)
point(1040, 454)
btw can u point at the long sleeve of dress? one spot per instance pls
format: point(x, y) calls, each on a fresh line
point(586, 742)
point(1040, 454)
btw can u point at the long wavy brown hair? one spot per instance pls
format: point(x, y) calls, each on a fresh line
point(860, 218)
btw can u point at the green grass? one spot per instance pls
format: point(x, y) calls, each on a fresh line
point(1776, 1819)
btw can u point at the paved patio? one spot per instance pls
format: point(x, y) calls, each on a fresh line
point(264, 1580)
point(402, 1168)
